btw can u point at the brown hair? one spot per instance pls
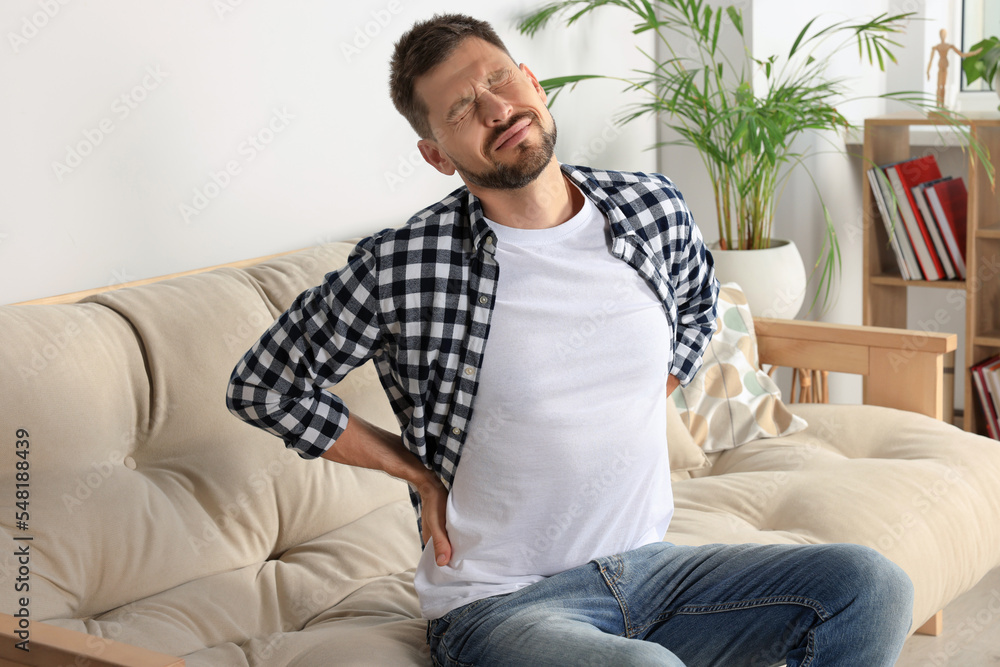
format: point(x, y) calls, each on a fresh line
point(419, 50)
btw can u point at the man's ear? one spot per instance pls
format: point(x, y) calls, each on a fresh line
point(435, 157)
point(534, 82)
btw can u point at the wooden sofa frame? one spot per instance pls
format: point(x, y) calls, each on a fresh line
point(903, 369)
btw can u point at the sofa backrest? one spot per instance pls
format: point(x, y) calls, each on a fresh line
point(139, 477)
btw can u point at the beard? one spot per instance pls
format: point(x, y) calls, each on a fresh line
point(531, 160)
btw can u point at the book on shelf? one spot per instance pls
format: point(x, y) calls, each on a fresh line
point(933, 228)
point(986, 377)
point(909, 269)
point(948, 201)
point(905, 176)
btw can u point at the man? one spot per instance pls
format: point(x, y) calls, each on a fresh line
point(528, 329)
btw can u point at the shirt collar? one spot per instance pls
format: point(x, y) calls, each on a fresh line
point(620, 226)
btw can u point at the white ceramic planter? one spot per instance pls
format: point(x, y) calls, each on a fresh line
point(773, 279)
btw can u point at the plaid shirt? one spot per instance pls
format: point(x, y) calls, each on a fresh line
point(418, 299)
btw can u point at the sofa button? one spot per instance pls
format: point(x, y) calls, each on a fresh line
point(129, 462)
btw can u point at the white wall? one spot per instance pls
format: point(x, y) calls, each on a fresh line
point(340, 162)
point(116, 113)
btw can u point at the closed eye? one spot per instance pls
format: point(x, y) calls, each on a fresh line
point(461, 109)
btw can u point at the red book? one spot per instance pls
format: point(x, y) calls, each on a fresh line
point(949, 202)
point(908, 175)
point(933, 228)
point(985, 397)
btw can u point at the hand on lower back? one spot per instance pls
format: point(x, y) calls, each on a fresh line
point(434, 503)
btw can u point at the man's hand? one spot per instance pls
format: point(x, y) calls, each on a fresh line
point(672, 383)
point(434, 502)
point(365, 445)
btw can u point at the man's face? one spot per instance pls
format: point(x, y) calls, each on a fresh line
point(488, 118)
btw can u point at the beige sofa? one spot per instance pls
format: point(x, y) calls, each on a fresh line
point(164, 528)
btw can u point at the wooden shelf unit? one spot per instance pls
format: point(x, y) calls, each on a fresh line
point(887, 139)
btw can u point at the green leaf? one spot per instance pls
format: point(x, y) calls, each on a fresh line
point(802, 34)
point(736, 16)
point(715, 33)
point(556, 85)
point(560, 81)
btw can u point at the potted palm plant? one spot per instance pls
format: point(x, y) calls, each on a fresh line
point(744, 134)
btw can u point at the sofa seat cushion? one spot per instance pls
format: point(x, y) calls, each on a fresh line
point(348, 592)
point(924, 493)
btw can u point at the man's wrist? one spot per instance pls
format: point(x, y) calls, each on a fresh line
point(427, 484)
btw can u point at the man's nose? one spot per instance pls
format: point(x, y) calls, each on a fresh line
point(495, 109)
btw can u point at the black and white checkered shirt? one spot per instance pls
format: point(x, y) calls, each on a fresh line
point(418, 299)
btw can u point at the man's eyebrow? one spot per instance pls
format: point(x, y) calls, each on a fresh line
point(491, 78)
point(497, 74)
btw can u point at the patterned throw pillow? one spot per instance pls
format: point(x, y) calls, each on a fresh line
point(731, 401)
point(685, 455)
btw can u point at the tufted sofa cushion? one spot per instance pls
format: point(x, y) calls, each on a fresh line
point(922, 492)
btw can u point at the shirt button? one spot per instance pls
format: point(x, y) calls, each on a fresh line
point(483, 299)
point(456, 430)
point(470, 371)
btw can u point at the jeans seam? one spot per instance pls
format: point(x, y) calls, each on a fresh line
point(612, 583)
point(752, 603)
point(815, 605)
point(810, 649)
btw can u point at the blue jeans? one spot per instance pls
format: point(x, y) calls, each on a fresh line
point(718, 604)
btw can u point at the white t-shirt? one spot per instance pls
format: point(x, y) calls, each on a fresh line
point(565, 459)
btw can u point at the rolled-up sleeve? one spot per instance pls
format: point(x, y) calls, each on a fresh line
point(696, 291)
point(328, 330)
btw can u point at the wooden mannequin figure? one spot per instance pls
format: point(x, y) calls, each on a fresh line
point(943, 49)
